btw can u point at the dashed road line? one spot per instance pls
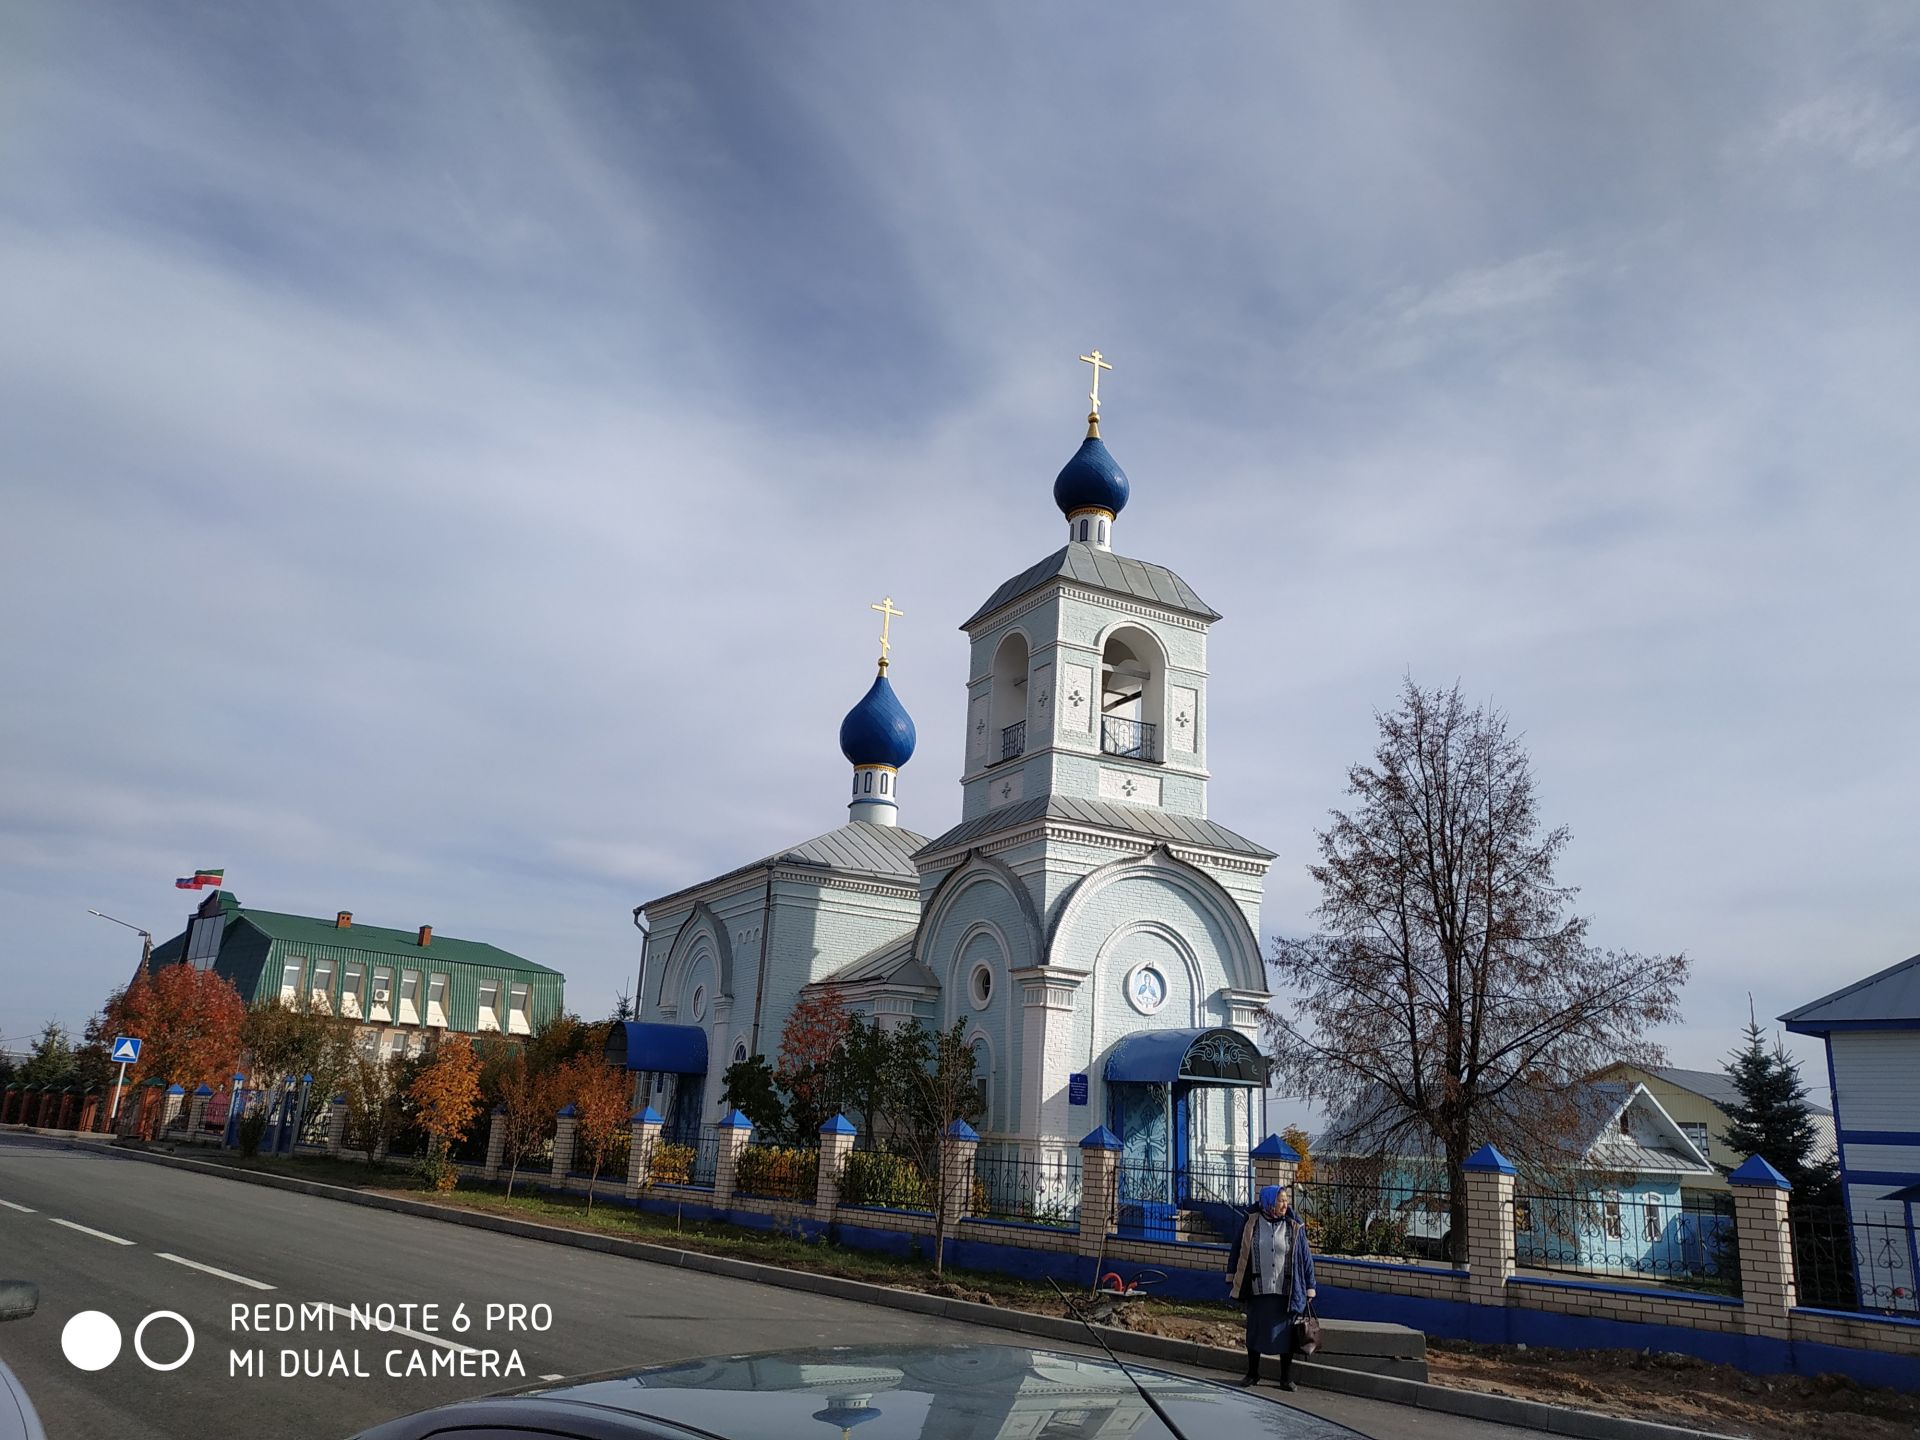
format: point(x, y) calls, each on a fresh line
point(23, 1209)
point(213, 1270)
point(347, 1315)
point(550, 1377)
point(88, 1230)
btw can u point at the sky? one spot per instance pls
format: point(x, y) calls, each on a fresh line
point(448, 450)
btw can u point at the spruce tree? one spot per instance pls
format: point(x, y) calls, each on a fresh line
point(1773, 1118)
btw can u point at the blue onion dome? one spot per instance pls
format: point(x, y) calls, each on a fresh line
point(1092, 479)
point(878, 731)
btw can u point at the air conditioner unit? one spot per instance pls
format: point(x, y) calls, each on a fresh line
point(380, 997)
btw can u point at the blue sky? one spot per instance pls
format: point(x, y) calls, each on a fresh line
point(449, 450)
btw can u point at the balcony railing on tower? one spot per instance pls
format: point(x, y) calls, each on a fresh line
point(1013, 740)
point(1129, 739)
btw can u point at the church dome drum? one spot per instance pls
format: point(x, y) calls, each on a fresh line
point(878, 731)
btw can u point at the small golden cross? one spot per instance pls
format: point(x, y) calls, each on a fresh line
point(887, 616)
point(1098, 363)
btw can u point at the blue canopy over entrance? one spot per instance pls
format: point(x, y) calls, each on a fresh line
point(662, 1049)
point(1214, 1056)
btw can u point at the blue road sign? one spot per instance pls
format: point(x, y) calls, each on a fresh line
point(126, 1049)
point(1076, 1089)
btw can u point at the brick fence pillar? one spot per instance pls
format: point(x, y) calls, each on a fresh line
point(736, 1131)
point(1490, 1177)
point(955, 1198)
point(197, 1110)
point(496, 1143)
point(1275, 1162)
point(1099, 1162)
point(89, 1113)
point(836, 1143)
point(645, 1127)
point(563, 1128)
point(1766, 1247)
point(337, 1125)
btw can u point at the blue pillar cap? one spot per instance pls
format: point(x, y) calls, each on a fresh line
point(1101, 1139)
point(648, 1116)
point(499, 1110)
point(1489, 1160)
point(960, 1130)
point(838, 1125)
point(736, 1121)
point(176, 1089)
point(203, 1089)
point(340, 1100)
point(1758, 1172)
point(566, 1110)
point(1274, 1148)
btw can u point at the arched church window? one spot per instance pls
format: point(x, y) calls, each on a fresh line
point(983, 1073)
point(867, 784)
point(739, 1052)
point(980, 986)
point(883, 782)
point(698, 1006)
point(1103, 532)
point(1083, 530)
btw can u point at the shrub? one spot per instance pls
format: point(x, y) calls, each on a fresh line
point(779, 1171)
point(253, 1129)
point(437, 1170)
point(893, 1182)
point(672, 1164)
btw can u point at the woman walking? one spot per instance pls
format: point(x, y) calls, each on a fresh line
point(1271, 1272)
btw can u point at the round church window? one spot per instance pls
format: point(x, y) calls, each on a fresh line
point(1146, 988)
point(981, 986)
point(699, 1005)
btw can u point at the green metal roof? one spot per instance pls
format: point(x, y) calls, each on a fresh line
point(376, 940)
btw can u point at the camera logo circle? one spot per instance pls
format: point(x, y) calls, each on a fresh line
point(91, 1340)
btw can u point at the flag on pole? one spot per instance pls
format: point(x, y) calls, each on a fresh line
point(201, 879)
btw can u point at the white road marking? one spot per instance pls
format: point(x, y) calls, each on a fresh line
point(21, 1208)
point(551, 1377)
point(211, 1270)
point(347, 1315)
point(88, 1230)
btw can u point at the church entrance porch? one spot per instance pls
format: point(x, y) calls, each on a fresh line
point(1185, 1106)
point(669, 1063)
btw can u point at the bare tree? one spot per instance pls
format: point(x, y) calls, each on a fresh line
point(935, 1069)
point(1452, 997)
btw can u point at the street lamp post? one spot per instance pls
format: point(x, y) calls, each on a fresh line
point(146, 957)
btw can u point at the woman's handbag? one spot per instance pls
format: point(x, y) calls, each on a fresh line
point(1307, 1332)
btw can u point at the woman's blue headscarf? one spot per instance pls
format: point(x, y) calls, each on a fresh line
point(1269, 1197)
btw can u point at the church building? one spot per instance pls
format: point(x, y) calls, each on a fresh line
point(1093, 927)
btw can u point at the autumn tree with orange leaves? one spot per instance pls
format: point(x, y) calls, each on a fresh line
point(599, 1095)
point(446, 1099)
point(806, 1071)
point(189, 1022)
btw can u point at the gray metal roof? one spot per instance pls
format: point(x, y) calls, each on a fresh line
point(1102, 570)
point(1712, 1085)
point(856, 848)
point(1133, 819)
point(892, 960)
point(1892, 995)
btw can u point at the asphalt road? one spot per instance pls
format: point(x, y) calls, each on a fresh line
point(101, 1231)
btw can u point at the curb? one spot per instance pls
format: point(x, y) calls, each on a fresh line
point(1471, 1404)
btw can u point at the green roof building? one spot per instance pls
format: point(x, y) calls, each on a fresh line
point(403, 986)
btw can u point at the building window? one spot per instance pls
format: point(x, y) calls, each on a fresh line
point(518, 1022)
point(1702, 1141)
point(320, 988)
point(698, 1007)
point(409, 997)
point(489, 1017)
point(290, 974)
point(1610, 1220)
point(1654, 1225)
point(1103, 532)
point(381, 1005)
point(353, 979)
point(739, 1052)
point(437, 1000)
point(980, 986)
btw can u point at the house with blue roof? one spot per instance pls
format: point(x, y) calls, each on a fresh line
point(1083, 914)
point(1871, 1030)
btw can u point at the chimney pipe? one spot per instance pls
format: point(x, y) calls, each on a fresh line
point(343, 921)
point(426, 935)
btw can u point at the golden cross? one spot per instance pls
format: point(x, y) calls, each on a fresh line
point(887, 616)
point(1098, 363)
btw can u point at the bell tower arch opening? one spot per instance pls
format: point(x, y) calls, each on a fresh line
point(1007, 733)
point(1133, 701)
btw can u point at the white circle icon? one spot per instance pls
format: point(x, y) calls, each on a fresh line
point(90, 1340)
point(140, 1334)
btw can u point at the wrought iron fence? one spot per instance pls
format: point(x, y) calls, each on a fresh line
point(1013, 740)
point(1218, 1180)
point(618, 1148)
point(1039, 1189)
point(883, 1180)
point(1129, 739)
point(778, 1172)
point(1381, 1218)
point(1863, 1260)
point(1690, 1242)
point(691, 1160)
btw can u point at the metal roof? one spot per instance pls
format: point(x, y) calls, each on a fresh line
point(1160, 1057)
point(373, 939)
point(1101, 570)
point(1892, 995)
point(1154, 824)
point(1712, 1085)
point(857, 848)
point(891, 960)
